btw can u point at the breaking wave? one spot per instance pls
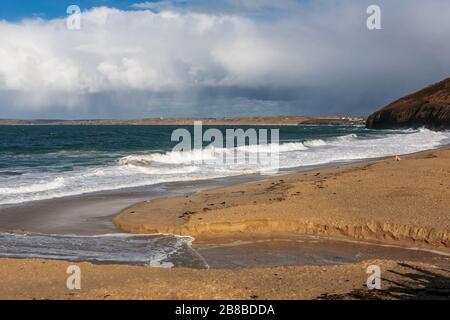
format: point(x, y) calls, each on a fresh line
point(138, 170)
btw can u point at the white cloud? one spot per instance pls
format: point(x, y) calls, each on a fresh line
point(316, 45)
point(118, 50)
point(152, 5)
point(223, 5)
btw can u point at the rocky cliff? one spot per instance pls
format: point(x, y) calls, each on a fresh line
point(429, 107)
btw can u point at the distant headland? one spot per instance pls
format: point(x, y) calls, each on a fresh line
point(279, 120)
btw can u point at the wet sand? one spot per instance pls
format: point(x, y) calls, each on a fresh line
point(308, 251)
point(87, 215)
point(92, 214)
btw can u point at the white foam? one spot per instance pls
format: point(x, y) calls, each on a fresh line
point(157, 250)
point(315, 143)
point(269, 148)
point(174, 157)
point(36, 187)
point(347, 138)
point(147, 169)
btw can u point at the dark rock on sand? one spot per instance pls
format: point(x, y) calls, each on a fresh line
point(429, 108)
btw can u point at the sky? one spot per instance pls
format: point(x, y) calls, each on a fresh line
point(200, 58)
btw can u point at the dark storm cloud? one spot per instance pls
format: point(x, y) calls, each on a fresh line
point(204, 60)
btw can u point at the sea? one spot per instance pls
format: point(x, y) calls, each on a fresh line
point(46, 162)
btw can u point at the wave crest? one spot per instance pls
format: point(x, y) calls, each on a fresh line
point(37, 187)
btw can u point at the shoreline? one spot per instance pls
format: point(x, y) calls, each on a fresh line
point(138, 197)
point(92, 214)
point(243, 220)
point(21, 218)
point(402, 278)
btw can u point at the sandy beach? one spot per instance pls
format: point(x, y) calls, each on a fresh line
point(386, 201)
point(399, 202)
point(47, 280)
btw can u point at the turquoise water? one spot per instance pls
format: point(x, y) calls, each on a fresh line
point(45, 162)
point(64, 148)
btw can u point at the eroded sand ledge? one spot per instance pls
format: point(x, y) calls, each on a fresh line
point(399, 202)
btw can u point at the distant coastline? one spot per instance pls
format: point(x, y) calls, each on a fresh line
point(279, 120)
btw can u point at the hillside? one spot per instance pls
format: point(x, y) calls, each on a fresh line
point(429, 107)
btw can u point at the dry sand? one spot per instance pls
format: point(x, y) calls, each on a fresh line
point(399, 202)
point(38, 279)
